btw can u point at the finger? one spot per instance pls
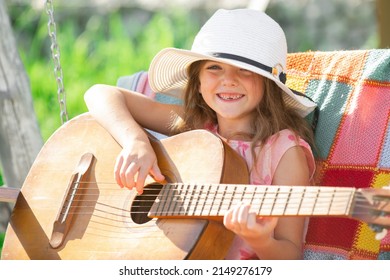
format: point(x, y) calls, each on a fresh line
point(235, 218)
point(139, 185)
point(251, 221)
point(271, 221)
point(156, 173)
point(227, 219)
point(242, 217)
point(117, 169)
point(127, 174)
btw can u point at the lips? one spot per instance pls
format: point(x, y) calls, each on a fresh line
point(229, 96)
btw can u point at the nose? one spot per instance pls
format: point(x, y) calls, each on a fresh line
point(229, 78)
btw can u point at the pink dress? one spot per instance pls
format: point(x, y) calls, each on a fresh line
point(262, 174)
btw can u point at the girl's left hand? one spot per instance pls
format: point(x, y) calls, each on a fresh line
point(247, 225)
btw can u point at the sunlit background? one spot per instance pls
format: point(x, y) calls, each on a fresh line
point(101, 40)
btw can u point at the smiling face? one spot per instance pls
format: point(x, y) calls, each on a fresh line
point(233, 93)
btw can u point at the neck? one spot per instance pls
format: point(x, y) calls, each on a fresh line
point(202, 200)
point(235, 130)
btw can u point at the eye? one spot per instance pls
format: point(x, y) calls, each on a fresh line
point(213, 67)
point(245, 72)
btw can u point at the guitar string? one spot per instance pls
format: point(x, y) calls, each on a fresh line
point(124, 217)
point(306, 195)
point(360, 199)
point(75, 209)
point(324, 190)
point(330, 190)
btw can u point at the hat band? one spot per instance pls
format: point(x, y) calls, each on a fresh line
point(282, 75)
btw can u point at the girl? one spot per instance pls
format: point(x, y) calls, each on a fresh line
point(233, 84)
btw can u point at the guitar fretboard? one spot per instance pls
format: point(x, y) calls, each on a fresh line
point(207, 200)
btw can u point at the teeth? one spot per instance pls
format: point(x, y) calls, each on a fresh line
point(230, 96)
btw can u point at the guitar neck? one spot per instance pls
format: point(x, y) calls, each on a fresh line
point(8, 194)
point(194, 200)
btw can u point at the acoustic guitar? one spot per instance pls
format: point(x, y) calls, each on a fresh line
point(70, 207)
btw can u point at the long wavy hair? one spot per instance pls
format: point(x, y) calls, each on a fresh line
point(272, 113)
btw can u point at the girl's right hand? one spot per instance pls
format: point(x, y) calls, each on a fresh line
point(133, 165)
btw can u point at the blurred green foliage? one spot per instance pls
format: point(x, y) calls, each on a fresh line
point(1, 240)
point(94, 48)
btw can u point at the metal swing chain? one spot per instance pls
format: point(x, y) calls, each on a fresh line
point(55, 51)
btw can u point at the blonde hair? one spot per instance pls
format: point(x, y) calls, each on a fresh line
point(272, 113)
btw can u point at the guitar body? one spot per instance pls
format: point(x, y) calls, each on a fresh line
point(107, 228)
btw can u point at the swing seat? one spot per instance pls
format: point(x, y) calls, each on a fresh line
point(352, 90)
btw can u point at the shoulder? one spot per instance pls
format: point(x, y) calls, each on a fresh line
point(286, 137)
point(294, 168)
point(284, 148)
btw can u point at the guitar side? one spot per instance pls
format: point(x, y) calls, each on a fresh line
point(104, 227)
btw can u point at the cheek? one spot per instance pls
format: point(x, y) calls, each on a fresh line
point(204, 86)
point(206, 81)
point(258, 88)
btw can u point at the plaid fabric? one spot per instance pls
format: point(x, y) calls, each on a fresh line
point(352, 90)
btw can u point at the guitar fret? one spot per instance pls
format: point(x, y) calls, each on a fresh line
point(207, 198)
point(331, 201)
point(177, 198)
point(269, 201)
point(296, 198)
point(198, 209)
point(348, 205)
point(204, 200)
point(172, 197)
point(307, 205)
point(260, 211)
point(274, 201)
point(325, 199)
point(234, 200)
point(301, 201)
point(231, 199)
point(217, 197)
point(195, 197)
point(171, 200)
point(247, 194)
point(243, 194)
point(287, 201)
point(159, 201)
point(189, 207)
point(253, 197)
point(185, 201)
point(220, 203)
point(205, 207)
point(344, 200)
point(315, 201)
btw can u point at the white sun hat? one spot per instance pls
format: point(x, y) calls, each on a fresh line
point(244, 38)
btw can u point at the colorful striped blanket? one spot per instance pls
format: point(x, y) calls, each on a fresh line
point(352, 90)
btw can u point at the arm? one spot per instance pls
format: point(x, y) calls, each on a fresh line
point(271, 237)
point(123, 113)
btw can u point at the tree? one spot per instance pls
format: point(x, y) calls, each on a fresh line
point(383, 14)
point(20, 137)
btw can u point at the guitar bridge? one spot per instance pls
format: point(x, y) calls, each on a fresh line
point(71, 200)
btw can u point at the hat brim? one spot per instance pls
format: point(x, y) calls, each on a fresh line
point(168, 75)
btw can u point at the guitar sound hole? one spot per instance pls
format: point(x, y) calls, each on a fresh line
point(142, 203)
